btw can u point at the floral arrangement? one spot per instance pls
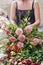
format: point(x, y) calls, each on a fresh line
point(24, 45)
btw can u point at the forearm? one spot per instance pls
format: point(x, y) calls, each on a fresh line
point(12, 21)
point(36, 24)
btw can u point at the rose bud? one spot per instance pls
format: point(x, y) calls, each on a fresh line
point(1, 23)
point(20, 44)
point(12, 39)
point(32, 64)
point(3, 27)
point(5, 41)
point(19, 60)
point(20, 63)
point(19, 31)
point(0, 60)
point(28, 29)
point(21, 38)
point(3, 58)
point(37, 41)
point(16, 48)
point(37, 63)
point(24, 62)
point(10, 48)
point(29, 61)
point(8, 32)
point(9, 55)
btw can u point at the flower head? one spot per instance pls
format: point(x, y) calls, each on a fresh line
point(37, 41)
point(9, 55)
point(5, 41)
point(16, 48)
point(1, 23)
point(28, 29)
point(12, 39)
point(32, 63)
point(37, 63)
point(29, 61)
point(20, 44)
point(8, 32)
point(24, 62)
point(19, 31)
point(9, 48)
point(21, 38)
point(19, 60)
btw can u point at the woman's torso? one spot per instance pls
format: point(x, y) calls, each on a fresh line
point(25, 15)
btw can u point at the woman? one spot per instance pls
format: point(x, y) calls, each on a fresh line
point(20, 8)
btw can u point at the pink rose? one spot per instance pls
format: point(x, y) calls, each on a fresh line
point(29, 61)
point(3, 27)
point(21, 38)
point(1, 23)
point(9, 48)
point(28, 29)
point(16, 48)
point(9, 55)
point(12, 39)
point(24, 63)
point(37, 41)
point(19, 60)
point(8, 32)
point(37, 63)
point(5, 41)
point(19, 31)
point(20, 44)
point(32, 63)
point(1, 59)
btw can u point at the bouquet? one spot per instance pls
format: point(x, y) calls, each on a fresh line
point(24, 45)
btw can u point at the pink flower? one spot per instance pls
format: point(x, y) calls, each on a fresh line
point(29, 61)
point(19, 60)
point(5, 41)
point(32, 63)
point(24, 62)
point(12, 39)
point(9, 55)
point(9, 48)
point(1, 23)
point(20, 44)
point(8, 32)
point(16, 48)
point(37, 63)
point(28, 29)
point(19, 31)
point(37, 41)
point(3, 27)
point(21, 38)
point(1, 59)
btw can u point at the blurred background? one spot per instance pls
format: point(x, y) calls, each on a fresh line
point(6, 4)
